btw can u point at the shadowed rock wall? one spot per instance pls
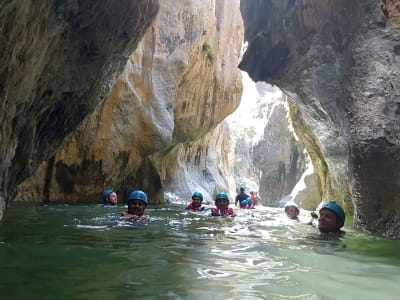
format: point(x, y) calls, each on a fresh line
point(178, 85)
point(58, 62)
point(338, 60)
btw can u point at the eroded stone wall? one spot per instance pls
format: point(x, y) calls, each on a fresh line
point(178, 85)
point(58, 62)
point(338, 61)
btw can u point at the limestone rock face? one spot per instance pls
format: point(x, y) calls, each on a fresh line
point(338, 60)
point(306, 192)
point(178, 85)
point(58, 62)
point(268, 157)
point(205, 166)
point(278, 156)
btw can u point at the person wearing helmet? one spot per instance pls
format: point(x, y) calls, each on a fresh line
point(331, 219)
point(110, 197)
point(222, 206)
point(197, 199)
point(254, 198)
point(241, 196)
point(292, 210)
point(246, 203)
point(137, 202)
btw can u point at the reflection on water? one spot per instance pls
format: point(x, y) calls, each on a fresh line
point(85, 252)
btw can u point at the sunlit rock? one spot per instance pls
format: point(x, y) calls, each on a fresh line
point(178, 85)
point(306, 192)
point(268, 158)
point(205, 166)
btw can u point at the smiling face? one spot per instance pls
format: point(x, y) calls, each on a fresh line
point(292, 212)
point(328, 221)
point(136, 207)
point(196, 201)
point(222, 203)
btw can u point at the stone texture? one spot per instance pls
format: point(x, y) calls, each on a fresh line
point(338, 60)
point(178, 85)
point(306, 192)
point(205, 166)
point(278, 156)
point(268, 158)
point(58, 61)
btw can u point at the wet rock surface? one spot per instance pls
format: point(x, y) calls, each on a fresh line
point(338, 62)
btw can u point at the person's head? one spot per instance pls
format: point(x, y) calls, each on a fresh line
point(242, 189)
point(292, 210)
point(197, 198)
point(251, 192)
point(137, 202)
point(331, 217)
point(110, 197)
point(246, 202)
point(222, 201)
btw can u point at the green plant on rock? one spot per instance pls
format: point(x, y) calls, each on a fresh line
point(210, 51)
point(294, 111)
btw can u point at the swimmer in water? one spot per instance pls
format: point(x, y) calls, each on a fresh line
point(246, 203)
point(331, 219)
point(197, 199)
point(137, 202)
point(110, 198)
point(292, 210)
point(222, 206)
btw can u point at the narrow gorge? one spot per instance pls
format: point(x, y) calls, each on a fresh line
point(134, 94)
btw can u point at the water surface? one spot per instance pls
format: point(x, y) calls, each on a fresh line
point(85, 252)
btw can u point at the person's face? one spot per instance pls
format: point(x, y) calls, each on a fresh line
point(196, 201)
point(328, 221)
point(113, 198)
point(136, 207)
point(291, 212)
point(222, 204)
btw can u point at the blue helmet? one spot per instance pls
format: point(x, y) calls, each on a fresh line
point(245, 202)
point(198, 194)
point(333, 206)
point(138, 195)
point(107, 194)
point(221, 196)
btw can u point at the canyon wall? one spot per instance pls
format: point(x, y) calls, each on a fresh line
point(58, 61)
point(338, 62)
point(157, 128)
point(269, 158)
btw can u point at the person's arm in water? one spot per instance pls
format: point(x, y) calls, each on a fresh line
point(215, 212)
point(129, 217)
point(314, 217)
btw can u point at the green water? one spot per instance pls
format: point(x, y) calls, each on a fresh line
point(82, 252)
